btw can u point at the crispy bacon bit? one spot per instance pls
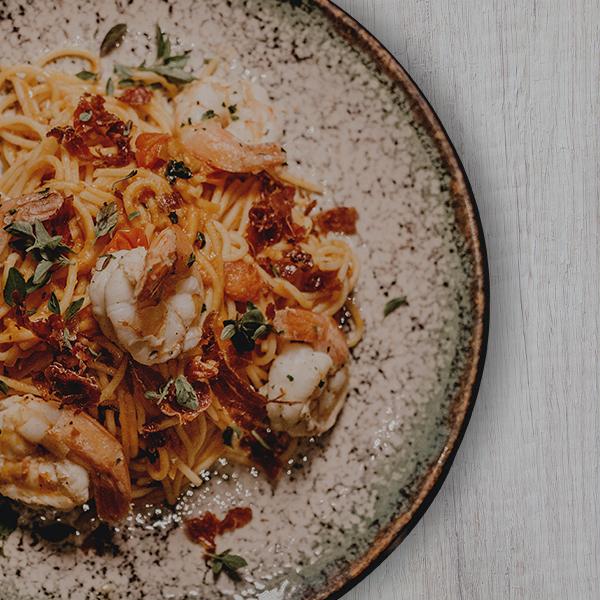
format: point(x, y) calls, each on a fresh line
point(270, 311)
point(242, 281)
point(203, 530)
point(169, 202)
point(243, 404)
point(136, 96)
point(299, 269)
point(94, 126)
point(271, 217)
point(71, 387)
point(341, 219)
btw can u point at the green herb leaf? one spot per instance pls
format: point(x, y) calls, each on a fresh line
point(20, 229)
point(106, 219)
point(185, 394)
point(232, 108)
point(15, 288)
point(134, 214)
point(393, 304)
point(244, 331)
point(177, 169)
point(54, 304)
point(209, 114)
point(73, 309)
point(227, 563)
point(3, 387)
point(86, 75)
point(191, 259)
point(290, 377)
point(41, 275)
point(85, 116)
point(110, 87)
point(163, 44)
point(113, 38)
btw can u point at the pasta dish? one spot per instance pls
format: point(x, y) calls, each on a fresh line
point(172, 293)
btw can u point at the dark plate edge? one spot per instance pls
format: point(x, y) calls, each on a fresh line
point(469, 221)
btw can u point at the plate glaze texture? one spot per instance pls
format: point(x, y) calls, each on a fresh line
point(355, 122)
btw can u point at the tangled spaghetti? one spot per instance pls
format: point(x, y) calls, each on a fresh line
point(253, 239)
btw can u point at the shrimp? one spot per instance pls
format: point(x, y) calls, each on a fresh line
point(39, 206)
point(217, 147)
point(242, 108)
point(53, 456)
point(150, 301)
point(308, 380)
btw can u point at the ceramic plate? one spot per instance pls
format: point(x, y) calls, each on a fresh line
point(356, 122)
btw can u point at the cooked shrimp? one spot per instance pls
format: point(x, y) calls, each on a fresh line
point(308, 381)
point(39, 206)
point(49, 456)
point(320, 331)
point(217, 147)
point(150, 301)
point(242, 108)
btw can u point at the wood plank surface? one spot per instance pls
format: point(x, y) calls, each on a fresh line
point(516, 84)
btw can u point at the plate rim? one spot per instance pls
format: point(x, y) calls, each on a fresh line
point(469, 221)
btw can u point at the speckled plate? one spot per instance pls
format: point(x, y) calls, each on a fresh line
point(356, 122)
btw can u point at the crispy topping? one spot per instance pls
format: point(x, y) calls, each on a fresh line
point(71, 387)
point(203, 530)
point(136, 96)
point(93, 126)
point(271, 217)
point(341, 219)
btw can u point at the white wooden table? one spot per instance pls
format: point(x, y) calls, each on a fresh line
point(517, 85)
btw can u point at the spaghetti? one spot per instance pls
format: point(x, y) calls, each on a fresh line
point(110, 178)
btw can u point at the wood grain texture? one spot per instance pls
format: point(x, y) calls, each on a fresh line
point(516, 83)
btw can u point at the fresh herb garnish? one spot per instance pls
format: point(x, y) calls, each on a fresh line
point(113, 38)
point(185, 395)
point(209, 114)
point(73, 309)
point(393, 304)
point(191, 259)
point(227, 563)
point(134, 214)
point(3, 387)
point(201, 240)
point(106, 219)
point(54, 304)
point(86, 75)
point(171, 67)
point(244, 332)
point(15, 288)
point(110, 87)
point(290, 377)
point(85, 116)
point(47, 250)
point(177, 169)
point(232, 108)
point(173, 217)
